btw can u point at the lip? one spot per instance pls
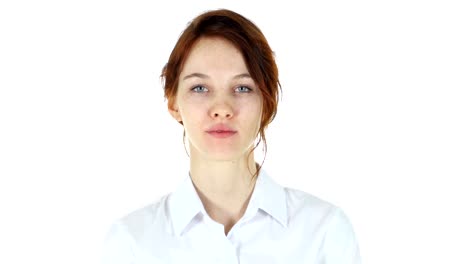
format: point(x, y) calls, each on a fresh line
point(221, 131)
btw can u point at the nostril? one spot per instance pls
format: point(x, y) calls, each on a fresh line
point(226, 115)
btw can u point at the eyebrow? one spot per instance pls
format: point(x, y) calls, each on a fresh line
point(204, 76)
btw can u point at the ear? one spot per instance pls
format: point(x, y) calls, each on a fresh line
point(174, 111)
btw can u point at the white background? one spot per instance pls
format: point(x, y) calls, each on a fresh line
point(374, 118)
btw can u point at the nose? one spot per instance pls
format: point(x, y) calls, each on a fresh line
point(221, 110)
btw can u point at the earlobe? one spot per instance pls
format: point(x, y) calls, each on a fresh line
point(175, 113)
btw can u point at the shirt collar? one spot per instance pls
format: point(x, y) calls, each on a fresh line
point(271, 198)
point(185, 204)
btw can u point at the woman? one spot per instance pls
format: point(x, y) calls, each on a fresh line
point(221, 84)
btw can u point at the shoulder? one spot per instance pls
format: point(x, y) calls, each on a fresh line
point(134, 232)
point(307, 209)
point(318, 218)
point(299, 201)
point(138, 221)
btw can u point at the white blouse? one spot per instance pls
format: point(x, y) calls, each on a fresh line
point(280, 225)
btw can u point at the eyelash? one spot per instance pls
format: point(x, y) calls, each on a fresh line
point(240, 86)
point(195, 88)
point(248, 88)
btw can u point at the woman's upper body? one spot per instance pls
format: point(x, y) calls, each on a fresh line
point(280, 225)
point(220, 107)
point(221, 83)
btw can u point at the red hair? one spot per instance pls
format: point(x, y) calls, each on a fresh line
point(250, 41)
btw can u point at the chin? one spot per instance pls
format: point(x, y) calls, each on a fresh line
point(224, 155)
point(222, 152)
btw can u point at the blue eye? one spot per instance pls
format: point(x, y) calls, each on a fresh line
point(243, 89)
point(199, 89)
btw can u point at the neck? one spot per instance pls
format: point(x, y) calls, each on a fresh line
point(224, 187)
point(223, 179)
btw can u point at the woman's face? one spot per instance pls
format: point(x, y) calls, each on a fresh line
point(217, 101)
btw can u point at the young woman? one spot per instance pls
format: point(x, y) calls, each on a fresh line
point(221, 84)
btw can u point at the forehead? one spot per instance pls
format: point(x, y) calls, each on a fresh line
point(214, 54)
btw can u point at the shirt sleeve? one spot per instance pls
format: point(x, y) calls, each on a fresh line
point(117, 246)
point(340, 245)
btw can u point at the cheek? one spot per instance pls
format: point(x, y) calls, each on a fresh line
point(192, 112)
point(252, 112)
point(256, 107)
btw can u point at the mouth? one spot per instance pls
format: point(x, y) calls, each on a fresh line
point(221, 130)
point(221, 133)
